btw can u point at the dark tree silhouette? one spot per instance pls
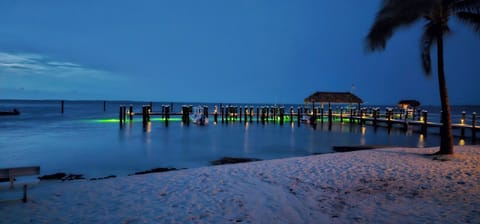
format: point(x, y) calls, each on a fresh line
point(435, 14)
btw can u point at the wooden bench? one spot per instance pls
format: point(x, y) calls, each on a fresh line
point(12, 173)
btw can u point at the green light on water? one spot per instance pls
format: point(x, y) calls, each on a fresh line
point(157, 119)
point(105, 120)
point(163, 119)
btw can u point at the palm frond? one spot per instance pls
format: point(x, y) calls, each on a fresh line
point(393, 15)
point(428, 37)
point(469, 18)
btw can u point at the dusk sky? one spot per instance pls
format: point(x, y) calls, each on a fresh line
point(245, 51)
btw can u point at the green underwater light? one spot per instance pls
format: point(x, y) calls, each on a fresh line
point(163, 119)
point(106, 120)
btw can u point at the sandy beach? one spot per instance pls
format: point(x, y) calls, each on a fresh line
point(392, 185)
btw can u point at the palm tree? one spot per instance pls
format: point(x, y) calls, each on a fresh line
point(435, 14)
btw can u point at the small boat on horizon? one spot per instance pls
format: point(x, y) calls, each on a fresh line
point(8, 113)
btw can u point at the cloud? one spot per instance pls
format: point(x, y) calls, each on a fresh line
point(37, 74)
point(36, 64)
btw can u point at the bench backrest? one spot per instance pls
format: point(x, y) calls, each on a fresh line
point(19, 171)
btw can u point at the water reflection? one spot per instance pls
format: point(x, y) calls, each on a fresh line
point(421, 141)
point(461, 142)
point(246, 141)
point(363, 140)
point(147, 127)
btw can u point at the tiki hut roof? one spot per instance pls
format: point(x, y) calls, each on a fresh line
point(333, 97)
point(412, 103)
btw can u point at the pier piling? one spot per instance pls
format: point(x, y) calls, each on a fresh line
point(205, 111)
point(251, 114)
point(167, 115)
point(291, 114)
point(227, 114)
point(258, 114)
point(389, 118)
point(222, 111)
point(263, 115)
point(120, 116)
point(130, 112)
point(341, 115)
point(424, 126)
point(240, 117)
point(474, 121)
point(267, 110)
point(246, 114)
point(330, 117)
point(299, 114)
point(282, 114)
point(463, 122)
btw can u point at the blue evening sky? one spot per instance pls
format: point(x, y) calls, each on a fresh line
point(251, 51)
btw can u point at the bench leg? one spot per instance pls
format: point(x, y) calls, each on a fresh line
point(24, 199)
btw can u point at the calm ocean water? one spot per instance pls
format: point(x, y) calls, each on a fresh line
point(87, 140)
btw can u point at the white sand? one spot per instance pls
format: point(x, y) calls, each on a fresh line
point(395, 185)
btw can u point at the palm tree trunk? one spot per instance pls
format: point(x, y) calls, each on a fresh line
point(446, 142)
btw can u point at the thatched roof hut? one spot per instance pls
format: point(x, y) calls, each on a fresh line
point(333, 97)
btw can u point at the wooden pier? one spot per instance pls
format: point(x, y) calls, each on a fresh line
point(225, 114)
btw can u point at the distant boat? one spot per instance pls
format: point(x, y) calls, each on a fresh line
point(198, 116)
point(7, 113)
